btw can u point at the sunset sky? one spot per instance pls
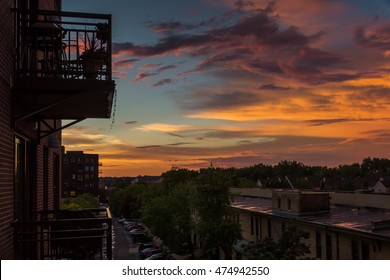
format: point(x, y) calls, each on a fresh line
point(235, 83)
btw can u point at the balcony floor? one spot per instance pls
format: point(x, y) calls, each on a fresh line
point(55, 98)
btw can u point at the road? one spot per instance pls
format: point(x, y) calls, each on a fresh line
point(123, 246)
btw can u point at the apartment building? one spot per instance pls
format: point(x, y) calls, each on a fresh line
point(341, 226)
point(80, 173)
point(43, 81)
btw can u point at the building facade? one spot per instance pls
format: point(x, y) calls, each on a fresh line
point(80, 173)
point(42, 82)
point(336, 231)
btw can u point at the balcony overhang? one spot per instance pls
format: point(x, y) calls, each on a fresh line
point(50, 98)
point(63, 66)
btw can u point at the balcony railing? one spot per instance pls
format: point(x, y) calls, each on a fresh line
point(63, 45)
point(66, 234)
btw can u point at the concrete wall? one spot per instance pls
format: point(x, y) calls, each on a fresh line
point(352, 199)
point(361, 200)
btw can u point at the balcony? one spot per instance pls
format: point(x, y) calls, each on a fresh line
point(66, 234)
point(62, 65)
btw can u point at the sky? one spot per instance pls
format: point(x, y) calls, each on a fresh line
point(235, 83)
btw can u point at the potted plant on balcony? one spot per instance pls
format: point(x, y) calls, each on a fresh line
point(95, 54)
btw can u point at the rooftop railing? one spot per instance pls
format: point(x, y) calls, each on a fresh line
point(66, 234)
point(63, 45)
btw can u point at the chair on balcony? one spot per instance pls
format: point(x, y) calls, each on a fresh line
point(46, 48)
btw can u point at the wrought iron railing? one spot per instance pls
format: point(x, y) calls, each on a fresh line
point(65, 45)
point(66, 234)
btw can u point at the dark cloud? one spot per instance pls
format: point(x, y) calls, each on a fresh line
point(175, 135)
point(167, 67)
point(166, 145)
point(125, 63)
point(167, 26)
point(241, 4)
point(75, 140)
point(206, 100)
point(163, 82)
point(260, 26)
point(313, 66)
point(273, 87)
point(378, 38)
point(143, 76)
point(130, 122)
point(343, 120)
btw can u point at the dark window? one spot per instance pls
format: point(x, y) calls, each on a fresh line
point(279, 203)
point(318, 245)
point(45, 179)
point(355, 250)
point(56, 182)
point(289, 204)
point(252, 226)
point(269, 225)
point(365, 251)
point(257, 227)
point(329, 252)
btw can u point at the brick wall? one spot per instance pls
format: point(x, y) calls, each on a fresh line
point(6, 135)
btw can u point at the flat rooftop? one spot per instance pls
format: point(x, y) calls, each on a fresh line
point(340, 218)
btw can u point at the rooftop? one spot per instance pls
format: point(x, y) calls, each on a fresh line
point(340, 218)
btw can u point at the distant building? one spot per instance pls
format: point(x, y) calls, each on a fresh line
point(80, 173)
point(382, 186)
point(341, 226)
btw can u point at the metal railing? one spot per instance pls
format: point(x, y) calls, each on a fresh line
point(64, 45)
point(66, 234)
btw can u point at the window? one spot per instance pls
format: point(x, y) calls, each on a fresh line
point(45, 168)
point(269, 226)
point(252, 226)
point(318, 245)
point(92, 168)
point(355, 250)
point(22, 191)
point(279, 202)
point(329, 251)
point(289, 204)
point(365, 250)
point(257, 227)
point(86, 168)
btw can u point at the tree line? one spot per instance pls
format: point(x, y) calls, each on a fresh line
point(188, 203)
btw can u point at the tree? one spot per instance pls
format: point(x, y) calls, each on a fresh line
point(216, 224)
point(289, 247)
point(125, 202)
point(83, 201)
point(169, 217)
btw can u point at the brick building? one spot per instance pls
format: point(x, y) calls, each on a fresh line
point(42, 82)
point(80, 173)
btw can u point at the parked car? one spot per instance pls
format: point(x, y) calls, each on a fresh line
point(130, 228)
point(129, 223)
point(136, 231)
point(143, 246)
point(157, 256)
point(146, 253)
